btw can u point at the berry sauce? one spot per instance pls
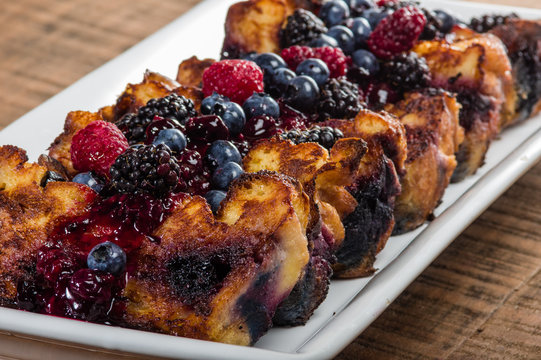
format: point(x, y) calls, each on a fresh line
point(65, 286)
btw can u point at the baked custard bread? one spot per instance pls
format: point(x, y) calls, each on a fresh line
point(221, 203)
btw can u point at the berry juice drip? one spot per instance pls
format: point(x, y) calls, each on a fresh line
point(65, 285)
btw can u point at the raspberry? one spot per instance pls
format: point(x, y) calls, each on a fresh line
point(382, 3)
point(235, 79)
point(96, 147)
point(335, 59)
point(397, 32)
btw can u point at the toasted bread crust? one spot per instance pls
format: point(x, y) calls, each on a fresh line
point(434, 135)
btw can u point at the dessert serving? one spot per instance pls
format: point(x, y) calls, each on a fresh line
point(219, 204)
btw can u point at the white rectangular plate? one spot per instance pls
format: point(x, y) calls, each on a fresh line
point(351, 304)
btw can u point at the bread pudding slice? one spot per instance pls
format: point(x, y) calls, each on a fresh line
point(317, 170)
point(434, 135)
point(477, 68)
point(522, 41)
point(30, 207)
point(221, 279)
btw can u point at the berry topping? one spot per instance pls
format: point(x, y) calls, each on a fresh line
point(357, 6)
point(488, 22)
point(96, 147)
point(236, 79)
point(366, 60)
point(397, 33)
point(149, 169)
point(344, 37)
point(172, 106)
point(87, 284)
point(335, 59)
point(406, 71)
point(432, 26)
point(323, 40)
point(88, 179)
point(333, 12)
point(225, 174)
point(107, 257)
point(206, 128)
point(222, 152)
point(269, 62)
point(374, 16)
point(361, 29)
point(230, 112)
point(314, 68)
point(173, 138)
point(325, 136)
point(301, 28)
point(261, 127)
point(339, 100)
point(447, 20)
point(51, 176)
point(277, 84)
point(215, 198)
point(302, 93)
point(261, 104)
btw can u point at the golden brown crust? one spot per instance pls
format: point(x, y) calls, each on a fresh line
point(270, 253)
point(254, 26)
point(477, 67)
point(28, 212)
point(434, 134)
point(190, 71)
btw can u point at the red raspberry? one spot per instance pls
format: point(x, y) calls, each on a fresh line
point(236, 79)
point(96, 147)
point(294, 55)
point(381, 3)
point(333, 57)
point(397, 32)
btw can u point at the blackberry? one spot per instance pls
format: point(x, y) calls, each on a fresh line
point(149, 169)
point(324, 136)
point(301, 28)
point(133, 127)
point(406, 71)
point(488, 22)
point(339, 100)
point(172, 106)
point(433, 26)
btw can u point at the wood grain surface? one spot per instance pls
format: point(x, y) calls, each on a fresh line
point(480, 299)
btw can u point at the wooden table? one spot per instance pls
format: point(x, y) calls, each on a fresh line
point(480, 299)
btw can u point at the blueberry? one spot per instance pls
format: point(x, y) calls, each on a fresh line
point(224, 175)
point(269, 62)
point(210, 103)
point(302, 93)
point(315, 68)
point(357, 6)
point(344, 37)
point(88, 179)
point(360, 27)
point(366, 60)
point(107, 257)
point(221, 152)
point(261, 104)
point(173, 138)
point(323, 40)
point(234, 118)
point(334, 12)
point(447, 20)
point(250, 56)
point(215, 198)
point(374, 16)
point(278, 83)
